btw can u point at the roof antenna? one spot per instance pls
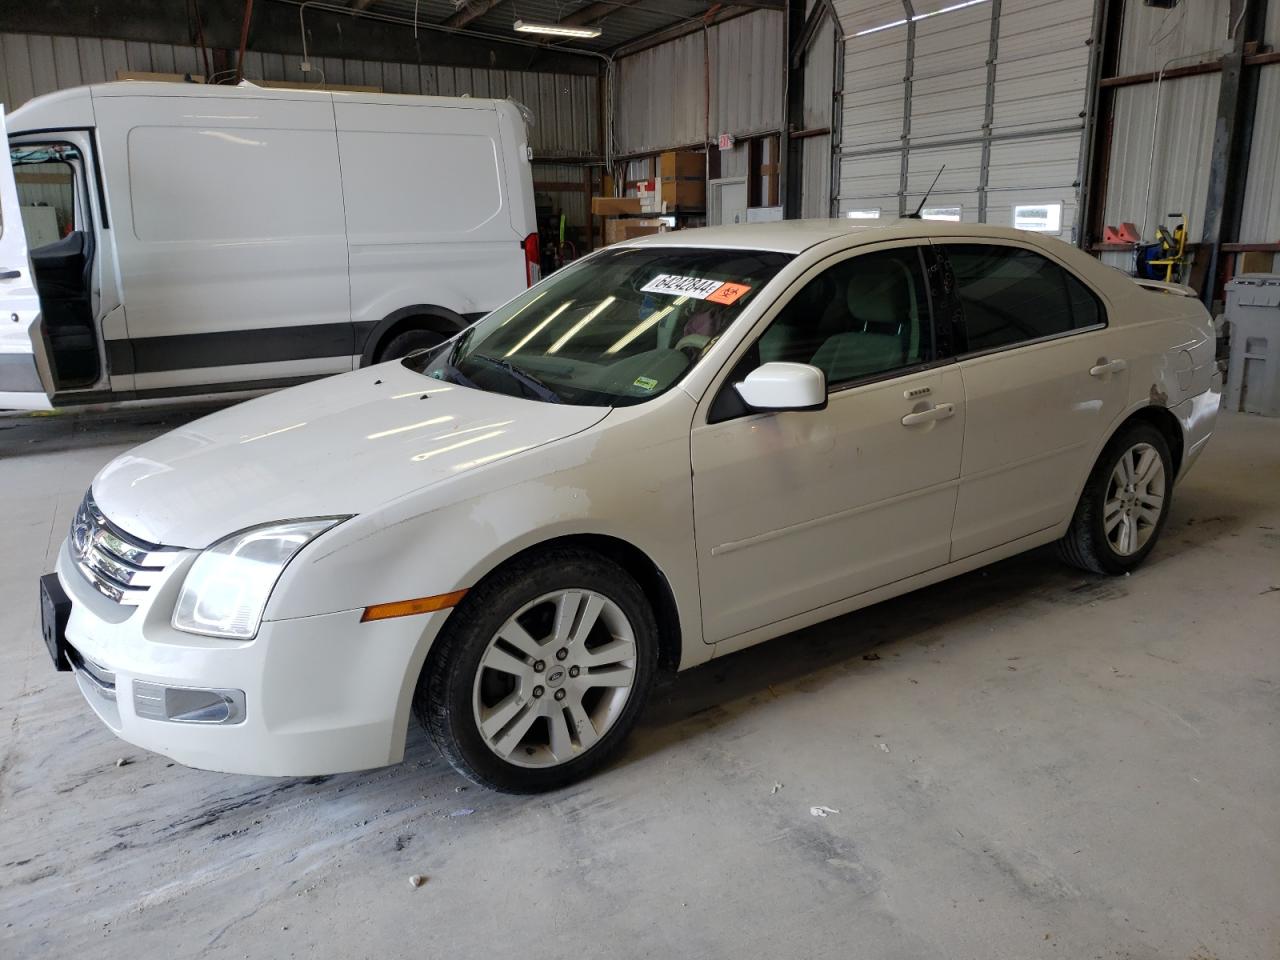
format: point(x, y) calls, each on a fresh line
point(925, 198)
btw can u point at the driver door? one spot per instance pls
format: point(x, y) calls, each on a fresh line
point(794, 511)
point(25, 379)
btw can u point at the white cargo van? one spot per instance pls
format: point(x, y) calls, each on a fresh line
point(189, 239)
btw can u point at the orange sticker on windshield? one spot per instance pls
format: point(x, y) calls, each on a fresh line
point(728, 293)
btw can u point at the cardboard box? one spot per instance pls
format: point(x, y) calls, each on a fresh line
point(617, 230)
point(683, 164)
point(614, 206)
point(1255, 261)
point(683, 194)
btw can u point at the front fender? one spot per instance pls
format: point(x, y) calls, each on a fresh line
point(630, 482)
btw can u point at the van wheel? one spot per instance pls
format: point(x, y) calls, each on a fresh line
point(540, 674)
point(403, 344)
point(1124, 504)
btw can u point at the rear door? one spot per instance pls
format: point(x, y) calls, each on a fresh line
point(25, 380)
point(1043, 377)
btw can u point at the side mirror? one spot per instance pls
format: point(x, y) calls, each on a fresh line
point(784, 386)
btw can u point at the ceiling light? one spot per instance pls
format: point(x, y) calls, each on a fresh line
point(556, 29)
point(918, 17)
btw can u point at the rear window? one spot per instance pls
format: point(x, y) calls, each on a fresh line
point(618, 328)
point(1011, 296)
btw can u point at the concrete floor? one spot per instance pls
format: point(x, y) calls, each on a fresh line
point(1027, 763)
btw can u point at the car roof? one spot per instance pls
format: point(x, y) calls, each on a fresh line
point(796, 236)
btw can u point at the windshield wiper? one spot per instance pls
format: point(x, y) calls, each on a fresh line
point(539, 389)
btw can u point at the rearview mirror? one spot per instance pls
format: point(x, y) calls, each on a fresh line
point(784, 386)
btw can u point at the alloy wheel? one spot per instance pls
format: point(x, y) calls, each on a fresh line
point(1135, 499)
point(555, 678)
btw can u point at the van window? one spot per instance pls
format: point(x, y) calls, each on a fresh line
point(204, 183)
point(456, 183)
point(1011, 295)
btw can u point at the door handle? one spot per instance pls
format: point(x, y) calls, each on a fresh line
point(937, 412)
point(10, 274)
point(1104, 366)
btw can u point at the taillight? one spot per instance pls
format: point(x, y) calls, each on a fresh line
point(532, 259)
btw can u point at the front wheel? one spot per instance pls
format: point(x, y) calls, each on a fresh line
point(1124, 504)
point(540, 674)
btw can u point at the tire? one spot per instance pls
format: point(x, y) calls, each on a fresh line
point(403, 344)
point(1096, 540)
point(480, 716)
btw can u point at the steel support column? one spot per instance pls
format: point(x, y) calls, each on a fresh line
point(1232, 136)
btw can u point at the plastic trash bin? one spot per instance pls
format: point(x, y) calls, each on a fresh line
point(1253, 370)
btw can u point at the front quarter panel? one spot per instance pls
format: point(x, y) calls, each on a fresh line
point(627, 478)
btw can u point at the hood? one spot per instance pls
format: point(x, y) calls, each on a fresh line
point(344, 445)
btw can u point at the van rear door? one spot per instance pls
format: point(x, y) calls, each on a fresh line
point(25, 379)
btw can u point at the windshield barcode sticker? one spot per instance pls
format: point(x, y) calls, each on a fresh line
point(673, 285)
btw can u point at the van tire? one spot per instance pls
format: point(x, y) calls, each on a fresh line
point(406, 342)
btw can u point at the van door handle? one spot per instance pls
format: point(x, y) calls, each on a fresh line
point(10, 274)
point(1104, 366)
point(939, 411)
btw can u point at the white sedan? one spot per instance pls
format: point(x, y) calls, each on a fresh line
point(673, 449)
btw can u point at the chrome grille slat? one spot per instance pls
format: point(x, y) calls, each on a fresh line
point(118, 565)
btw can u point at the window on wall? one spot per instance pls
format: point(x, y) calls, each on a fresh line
point(1012, 296)
point(941, 213)
point(870, 213)
point(1040, 217)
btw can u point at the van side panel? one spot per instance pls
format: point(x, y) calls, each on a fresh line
point(427, 208)
point(229, 229)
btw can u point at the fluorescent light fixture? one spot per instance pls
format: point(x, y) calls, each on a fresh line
point(556, 29)
point(919, 16)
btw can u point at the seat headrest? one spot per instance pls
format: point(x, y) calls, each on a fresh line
point(879, 298)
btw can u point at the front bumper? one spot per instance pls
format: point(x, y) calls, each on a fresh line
point(323, 694)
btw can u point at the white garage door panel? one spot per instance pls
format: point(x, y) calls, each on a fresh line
point(1038, 94)
point(958, 184)
point(948, 107)
point(1033, 162)
point(876, 176)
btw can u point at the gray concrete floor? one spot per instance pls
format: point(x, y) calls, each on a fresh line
point(1027, 763)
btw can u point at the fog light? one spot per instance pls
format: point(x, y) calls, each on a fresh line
point(155, 701)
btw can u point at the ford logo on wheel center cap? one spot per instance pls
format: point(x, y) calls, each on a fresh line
point(555, 677)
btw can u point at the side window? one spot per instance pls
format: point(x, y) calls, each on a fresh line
point(1011, 295)
point(864, 316)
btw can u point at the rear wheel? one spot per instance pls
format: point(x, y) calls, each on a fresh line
point(540, 674)
point(406, 342)
point(1124, 504)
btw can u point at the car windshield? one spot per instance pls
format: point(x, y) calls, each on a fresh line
point(616, 329)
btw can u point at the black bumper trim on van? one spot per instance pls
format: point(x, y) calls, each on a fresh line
point(193, 351)
point(18, 374)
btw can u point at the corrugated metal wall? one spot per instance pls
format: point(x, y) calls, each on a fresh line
point(994, 91)
point(1261, 220)
point(565, 108)
point(660, 100)
point(1177, 173)
point(819, 105)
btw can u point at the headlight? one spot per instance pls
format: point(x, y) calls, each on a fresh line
point(227, 588)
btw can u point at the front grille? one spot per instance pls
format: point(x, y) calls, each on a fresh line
point(118, 565)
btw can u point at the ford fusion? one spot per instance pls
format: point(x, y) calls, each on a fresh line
point(670, 450)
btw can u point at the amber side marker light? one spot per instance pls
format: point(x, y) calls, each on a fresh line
point(407, 608)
